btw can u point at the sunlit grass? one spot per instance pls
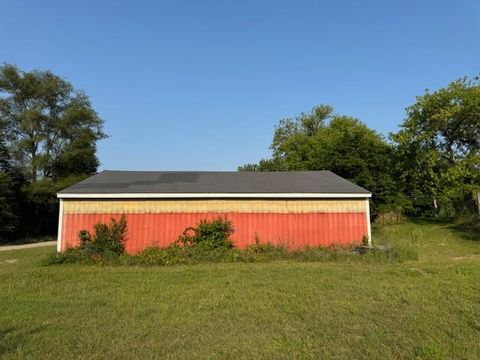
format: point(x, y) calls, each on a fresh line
point(424, 309)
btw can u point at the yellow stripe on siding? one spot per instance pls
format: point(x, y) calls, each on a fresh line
point(76, 206)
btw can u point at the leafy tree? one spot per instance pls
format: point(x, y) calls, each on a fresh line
point(7, 215)
point(263, 165)
point(48, 124)
point(438, 146)
point(322, 140)
point(49, 132)
point(5, 161)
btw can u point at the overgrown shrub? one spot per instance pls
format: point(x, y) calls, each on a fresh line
point(264, 252)
point(69, 256)
point(210, 241)
point(209, 234)
point(106, 239)
point(176, 254)
point(390, 217)
point(104, 246)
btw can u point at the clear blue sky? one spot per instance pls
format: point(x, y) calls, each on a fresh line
point(192, 85)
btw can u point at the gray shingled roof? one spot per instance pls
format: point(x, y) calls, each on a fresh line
point(201, 182)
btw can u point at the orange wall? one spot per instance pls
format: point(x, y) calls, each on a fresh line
point(296, 229)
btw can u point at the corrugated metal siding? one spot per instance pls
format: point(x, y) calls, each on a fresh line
point(161, 229)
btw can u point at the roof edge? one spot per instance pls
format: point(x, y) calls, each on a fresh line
point(214, 195)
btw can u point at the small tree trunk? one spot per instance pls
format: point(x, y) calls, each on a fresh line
point(478, 202)
point(33, 159)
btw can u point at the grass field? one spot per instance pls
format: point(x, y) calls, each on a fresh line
point(425, 309)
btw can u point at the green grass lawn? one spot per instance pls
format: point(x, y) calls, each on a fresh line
point(424, 309)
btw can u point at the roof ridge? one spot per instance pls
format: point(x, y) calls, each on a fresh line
point(218, 171)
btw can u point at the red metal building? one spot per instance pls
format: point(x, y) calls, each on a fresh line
point(299, 208)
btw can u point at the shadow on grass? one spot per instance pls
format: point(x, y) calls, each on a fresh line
point(430, 221)
point(11, 337)
point(465, 230)
point(10, 345)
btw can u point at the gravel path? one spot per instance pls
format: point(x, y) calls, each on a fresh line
point(28, 246)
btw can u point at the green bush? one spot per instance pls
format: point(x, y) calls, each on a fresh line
point(69, 256)
point(106, 241)
point(149, 257)
point(210, 242)
point(176, 254)
point(105, 246)
point(209, 234)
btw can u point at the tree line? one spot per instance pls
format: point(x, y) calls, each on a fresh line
point(48, 137)
point(430, 167)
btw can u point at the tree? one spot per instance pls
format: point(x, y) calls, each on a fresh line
point(322, 140)
point(438, 146)
point(263, 165)
point(48, 124)
point(49, 132)
point(5, 161)
point(7, 215)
